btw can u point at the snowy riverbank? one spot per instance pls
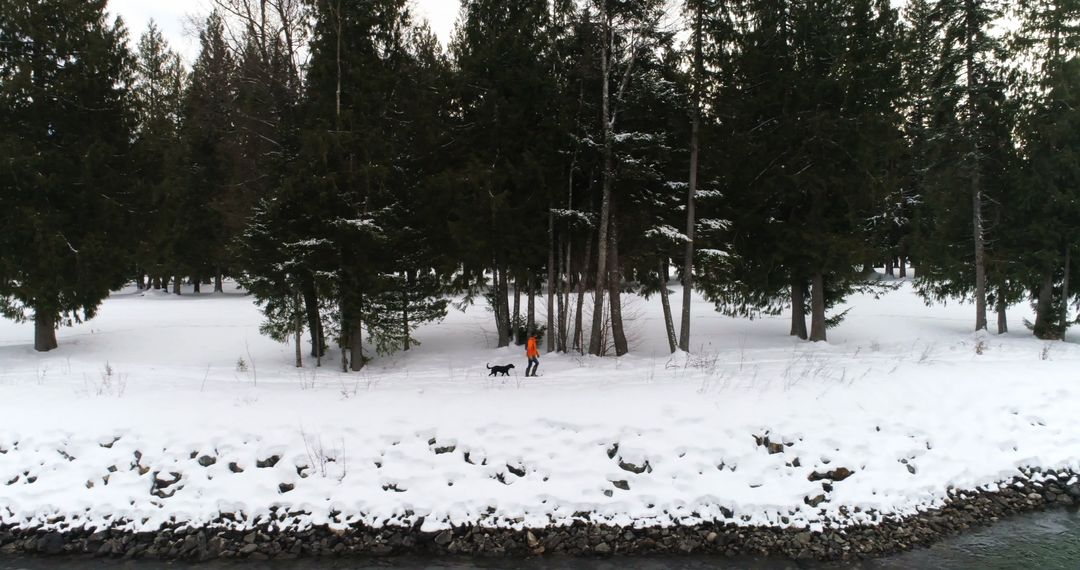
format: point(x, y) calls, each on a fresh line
point(143, 416)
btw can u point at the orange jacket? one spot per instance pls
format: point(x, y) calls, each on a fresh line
point(531, 352)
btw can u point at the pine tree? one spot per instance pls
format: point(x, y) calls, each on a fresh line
point(628, 32)
point(65, 129)
point(968, 52)
point(375, 111)
point(571, 211)
point(921, 48)
point(210, 208)
point(278, 257)
point(506, 89)
point(1048, 40)
point(158, 93)
point(763, 268)
point(811, 110)
point(414, 286)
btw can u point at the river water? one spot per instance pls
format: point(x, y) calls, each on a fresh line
point(1046, 541)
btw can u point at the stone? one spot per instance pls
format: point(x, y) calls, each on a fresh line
point(268, 462)
point(207, 460)
point(51, 544)
point(635, 469)
point(276, 535)
point(803, 539)
point(444, 538)
point(836, 475)
point(162, 482)
point(235, 468)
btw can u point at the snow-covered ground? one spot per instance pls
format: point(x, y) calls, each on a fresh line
point(900, 397)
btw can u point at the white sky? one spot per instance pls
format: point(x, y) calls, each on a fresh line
point(174, 17)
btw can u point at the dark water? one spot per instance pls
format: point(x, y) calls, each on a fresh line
point(1046, 541)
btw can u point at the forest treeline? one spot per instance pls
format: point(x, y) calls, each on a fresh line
point(355, 175)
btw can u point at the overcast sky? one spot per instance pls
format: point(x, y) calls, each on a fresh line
point(173, 17)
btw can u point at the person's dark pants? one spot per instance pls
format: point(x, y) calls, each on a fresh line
point(530, 370)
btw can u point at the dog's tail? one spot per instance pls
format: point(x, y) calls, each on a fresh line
point(489, 366)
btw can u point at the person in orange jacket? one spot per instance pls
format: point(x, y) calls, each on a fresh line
point(534, 357)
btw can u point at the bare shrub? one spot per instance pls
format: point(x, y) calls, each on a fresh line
point(110, 382)
point(329, 463)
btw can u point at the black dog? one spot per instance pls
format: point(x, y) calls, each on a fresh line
point(496, 370)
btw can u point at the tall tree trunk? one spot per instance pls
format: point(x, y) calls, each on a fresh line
point(1044, 309)
point(596, 337)
point(344, 355)
point(157, 283)
point(579, 332)
point(504, 299)
point(618, 332)
point(972, 29)
point(496, 308)
point(314, 319)
point(566, 263)
point(560, 331)
point(356, 347)
point(343, 341)
point(196, 285)
point(176, 284)
point(1002, 306)
point(298, 326)
point(501, 308)
point(552, 333)
point(691, 215)
point(140, 280)
point(798, 308)
point(889, 269)
point(339, 17)
point(410, 282)
point(44, 331)
point(1065, 295)
point(980, 259)
point(356, 339)
point(219, 285)
point(564, 299)
point(669, 322)
point(517, 309)
point(530, 316)
point(817, 302)
point(903, 266)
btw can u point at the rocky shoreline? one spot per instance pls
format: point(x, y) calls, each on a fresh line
point(278, 536)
